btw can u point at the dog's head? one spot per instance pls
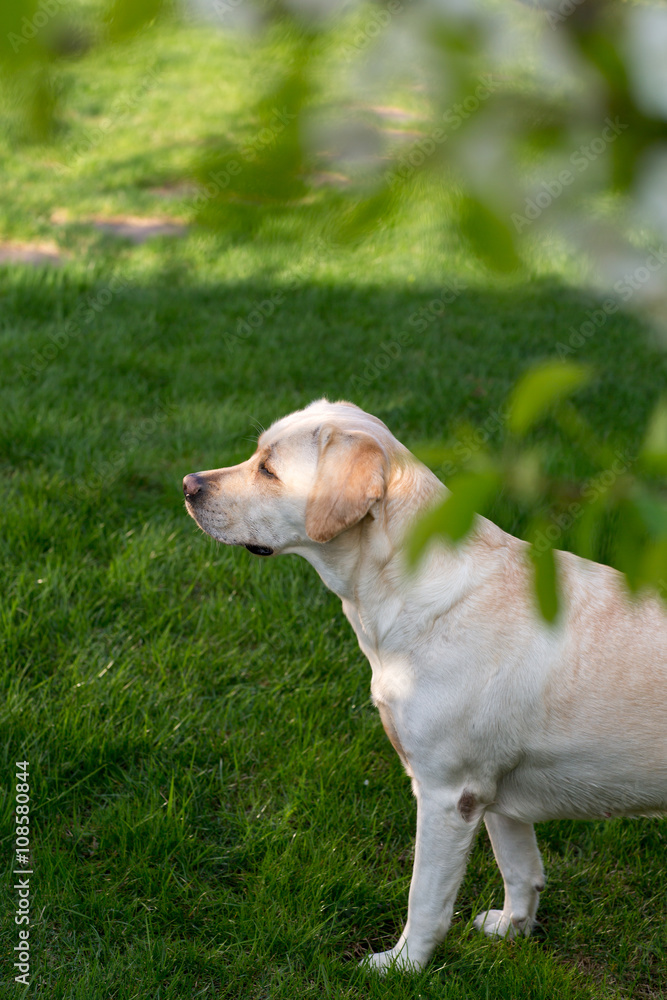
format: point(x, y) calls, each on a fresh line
point(315, 474)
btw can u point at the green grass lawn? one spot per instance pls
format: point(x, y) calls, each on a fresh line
point(216, 811)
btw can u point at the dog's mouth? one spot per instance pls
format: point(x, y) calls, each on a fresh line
point(260, 550)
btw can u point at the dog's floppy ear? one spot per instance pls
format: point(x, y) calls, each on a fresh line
point(351, 476)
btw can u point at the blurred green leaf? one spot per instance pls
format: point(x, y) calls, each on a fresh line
point(266, 171)
point(19, 38)
point(489, 237)
point(525, 476)
point(544, 567)
point(541, 387)
point(361, 218)
point(433, 453)
point(654, 566)
point(630, 541)
point(126, 17)
point(41, 106)
point(653, 452)
point(588, 530)
point(452, 519)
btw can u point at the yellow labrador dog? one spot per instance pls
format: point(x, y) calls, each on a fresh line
point(495, 715)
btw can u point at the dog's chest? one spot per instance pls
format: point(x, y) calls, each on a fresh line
point(408, 712)
point(378, 642)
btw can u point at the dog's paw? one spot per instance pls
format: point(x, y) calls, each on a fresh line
point(381, 961)
point(496, 923)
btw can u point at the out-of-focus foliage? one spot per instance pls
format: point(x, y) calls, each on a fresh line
point(539, 389)
point(623, 490)
point(546, 117)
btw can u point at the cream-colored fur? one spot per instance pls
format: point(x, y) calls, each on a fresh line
point(496, 715)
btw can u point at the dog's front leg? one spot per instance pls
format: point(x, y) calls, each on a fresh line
point(444, 839)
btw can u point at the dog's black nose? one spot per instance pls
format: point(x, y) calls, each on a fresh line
point(192, 486)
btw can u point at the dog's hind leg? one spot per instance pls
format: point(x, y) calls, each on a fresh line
point(515, 849)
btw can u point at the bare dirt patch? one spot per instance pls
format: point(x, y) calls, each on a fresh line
point(130, 227)
point(30, 253)
point(392, 113)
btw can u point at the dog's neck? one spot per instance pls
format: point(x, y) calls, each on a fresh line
point(349, 563)
point(365, 565)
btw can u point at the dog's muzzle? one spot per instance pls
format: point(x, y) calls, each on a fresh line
point(194, 488)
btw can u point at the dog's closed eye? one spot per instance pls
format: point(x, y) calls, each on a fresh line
point(266, 472)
